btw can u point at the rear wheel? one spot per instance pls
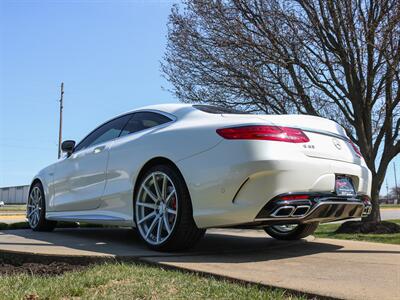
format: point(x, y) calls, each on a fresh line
point(291, 231)
point(163, 210)
point(36, 210)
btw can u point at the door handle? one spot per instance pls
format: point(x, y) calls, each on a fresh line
point(98, 149)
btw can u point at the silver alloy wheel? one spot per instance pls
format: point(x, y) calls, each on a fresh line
point(156, 208)
point(285, 228)
point(34, 207)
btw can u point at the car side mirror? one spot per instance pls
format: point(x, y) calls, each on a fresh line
point(68, 147)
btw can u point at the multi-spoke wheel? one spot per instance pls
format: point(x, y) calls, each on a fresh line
point(34, 206)
point(291, 231)
point(36, 210)
point(163, 212)
point(156, 208)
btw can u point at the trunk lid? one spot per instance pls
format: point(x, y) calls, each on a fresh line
point(328, 139)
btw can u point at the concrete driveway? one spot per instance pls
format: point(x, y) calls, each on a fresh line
point(334, 268)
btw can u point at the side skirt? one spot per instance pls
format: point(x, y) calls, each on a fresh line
point(97, 217)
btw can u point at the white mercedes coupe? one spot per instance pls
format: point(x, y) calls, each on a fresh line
point(171, 171)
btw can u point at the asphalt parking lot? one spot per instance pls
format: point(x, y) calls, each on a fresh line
point(334, 268)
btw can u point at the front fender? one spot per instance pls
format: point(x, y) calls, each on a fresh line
point(45, 177)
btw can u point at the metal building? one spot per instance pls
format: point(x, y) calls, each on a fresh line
point(14, 194)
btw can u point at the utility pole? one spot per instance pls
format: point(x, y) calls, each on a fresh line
point(60, 126)
point(387, 192)
point(395, 183)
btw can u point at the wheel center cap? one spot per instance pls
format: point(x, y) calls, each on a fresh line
point(161, 208)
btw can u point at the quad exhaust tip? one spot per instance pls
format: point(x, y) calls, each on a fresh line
point(301, 210)
point(291, 211)
point(314, 206)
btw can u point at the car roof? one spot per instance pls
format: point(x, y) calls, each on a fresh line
point(176, 109)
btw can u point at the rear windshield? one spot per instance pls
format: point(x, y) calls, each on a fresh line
point(218, 109)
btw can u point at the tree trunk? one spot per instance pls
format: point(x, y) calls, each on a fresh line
point(375, 215)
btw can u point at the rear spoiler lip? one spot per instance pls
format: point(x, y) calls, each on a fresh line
point(324, 132)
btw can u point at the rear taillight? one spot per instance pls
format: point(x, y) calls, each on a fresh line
point(356, 149)
point(294, 197)
point(366, 199)
point(263, 132)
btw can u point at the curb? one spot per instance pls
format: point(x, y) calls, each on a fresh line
point(18, 258)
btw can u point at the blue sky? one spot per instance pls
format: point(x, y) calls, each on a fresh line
point(108, 55)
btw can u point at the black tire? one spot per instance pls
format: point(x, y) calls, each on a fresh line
point(42, 224)
point(185, 233)
point(299, 232)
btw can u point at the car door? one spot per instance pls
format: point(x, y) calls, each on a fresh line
point(128, 153)
point(79, 179)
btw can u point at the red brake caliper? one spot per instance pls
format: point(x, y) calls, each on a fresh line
point(173, 205)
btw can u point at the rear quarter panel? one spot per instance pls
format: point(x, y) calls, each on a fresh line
point(175, 141)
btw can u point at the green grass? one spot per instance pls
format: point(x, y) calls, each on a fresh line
point(19, 225)
point(131, 281)
point(328, 231)
point(383, 206)
point(19, 207)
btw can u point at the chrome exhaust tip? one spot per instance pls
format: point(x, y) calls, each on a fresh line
point(321, 207)
point(301, 210)
point(283, 211)
point(291, 211)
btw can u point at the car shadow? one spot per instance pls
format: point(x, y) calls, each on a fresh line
point(218, 246)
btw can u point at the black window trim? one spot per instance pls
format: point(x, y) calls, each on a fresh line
point(132, 113)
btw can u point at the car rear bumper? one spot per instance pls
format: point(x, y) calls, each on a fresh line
point(313, 207)
point(229, 185)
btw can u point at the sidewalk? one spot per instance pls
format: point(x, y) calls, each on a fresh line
point(334, 268)
point(10, 218)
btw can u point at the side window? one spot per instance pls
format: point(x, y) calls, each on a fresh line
point(104, 133)
point(144, 120)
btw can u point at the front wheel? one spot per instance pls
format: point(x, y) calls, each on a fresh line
point(163, 210)
point(291, 231)
point(36, 210)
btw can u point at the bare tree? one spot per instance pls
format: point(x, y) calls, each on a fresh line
point(395, 193)
point(332, 58)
